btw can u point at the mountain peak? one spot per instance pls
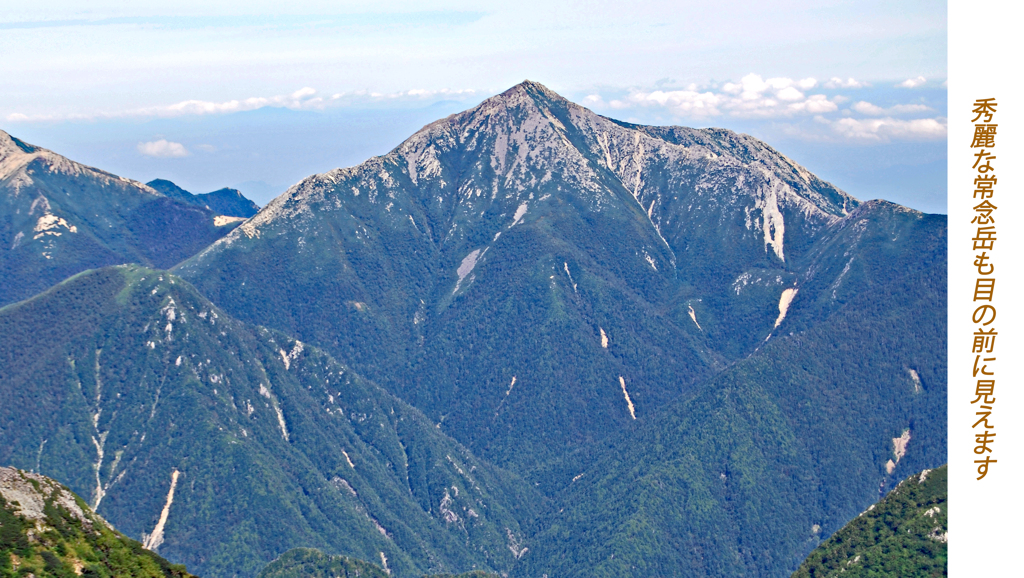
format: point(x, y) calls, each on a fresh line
point(534, 88)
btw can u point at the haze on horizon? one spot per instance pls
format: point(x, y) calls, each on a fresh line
point(209, 96)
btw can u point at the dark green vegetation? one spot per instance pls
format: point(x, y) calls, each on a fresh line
point(47, 531)
point(229, 202)
point(310, 563)
point(501, 242)
point(58, 218)
point(517, 270)
point(746, 474)
point(703, 360)
point(902, 536)
point(132, 388)
point(473, 574)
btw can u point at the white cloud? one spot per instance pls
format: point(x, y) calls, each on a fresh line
point(912, 82)
point(163, 149)
point(868, 109)
point(682, 102)
point(886, 129)
point(836, 82)
point(302, 99)
point(807, 83)
point(816, 104)
point(751, 97)
point(365, 96)
point(790, 93)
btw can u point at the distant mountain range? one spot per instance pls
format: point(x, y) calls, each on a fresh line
point(59, 217)
point(227, 202)
point(529, 340)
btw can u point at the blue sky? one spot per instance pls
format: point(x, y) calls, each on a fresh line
point(257, 96)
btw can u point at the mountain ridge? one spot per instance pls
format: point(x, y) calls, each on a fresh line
point(59, 217)
point(225, 201)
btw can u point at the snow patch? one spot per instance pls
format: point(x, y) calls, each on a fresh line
point(348, 459)
point(280, 421)
point(916, 379)
point(519, 214)
point(693, 315)
point(152, 541)
point(784, 301)
point(510, 386)
point(650, 260)
point(629, 402)
point(221, 220)
point(566, 265)
point(772, 222)
point(604, 338)
point(466, 267)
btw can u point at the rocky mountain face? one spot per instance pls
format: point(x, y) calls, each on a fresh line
point(222, 445)
point(701, 359)
point(531, 273)
point(226, 202)
point(46, 530)
point(58, 217)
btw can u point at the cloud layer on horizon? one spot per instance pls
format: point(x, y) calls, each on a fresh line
point(817, 109)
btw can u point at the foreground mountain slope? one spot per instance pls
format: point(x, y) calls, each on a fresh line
point(533, 275)
point(227, 202)
point(46, 530)
point(747, 474)
point(902, 536)
point(224, 445)
point(58, 217)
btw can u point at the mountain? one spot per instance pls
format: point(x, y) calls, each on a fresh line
point(746, 474)
point(701, 359)
point(58, 217)
point(227, 202)
point(222, 445)
point(533, 275)
point(904, 535)
point(46, 530)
